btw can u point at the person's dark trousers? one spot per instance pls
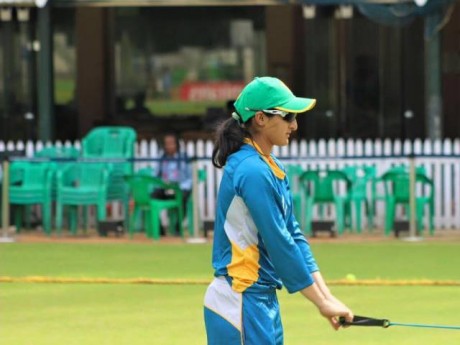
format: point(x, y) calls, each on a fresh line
point(164, 194)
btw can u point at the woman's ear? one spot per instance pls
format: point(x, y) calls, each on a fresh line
point(260, 119)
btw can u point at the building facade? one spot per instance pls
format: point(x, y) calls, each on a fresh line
point(72, 65)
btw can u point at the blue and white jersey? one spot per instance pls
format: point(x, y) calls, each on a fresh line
point(258, 245)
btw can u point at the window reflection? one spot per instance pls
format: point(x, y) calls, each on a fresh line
point(65, 73)
point(183, 61)
point(17, 103)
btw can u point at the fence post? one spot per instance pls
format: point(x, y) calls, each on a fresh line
point(5, 203)
point(196, 238)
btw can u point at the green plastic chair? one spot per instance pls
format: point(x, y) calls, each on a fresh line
point(397, 192)
point(81, 184)
point(113, 142)
point(294, 171)
point(135, 220)
point(320, 187)
point(31, 184)
point(59, 156)
point(379, 194)
point(58, 152)
point(109, 142)
point(140, 187)
point(202, 176)
point(360, 193)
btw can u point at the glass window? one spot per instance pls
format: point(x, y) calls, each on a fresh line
point(65, 71)
point(322, 73)
point(365, 76)
point(17, 99)
point(363, 84)
point(183, 61)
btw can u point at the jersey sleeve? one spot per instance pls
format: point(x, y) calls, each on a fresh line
point(302, 243)
point(257, 187)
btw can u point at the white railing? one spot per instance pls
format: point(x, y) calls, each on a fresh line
point(441, 159)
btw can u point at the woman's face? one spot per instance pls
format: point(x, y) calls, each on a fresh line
point(278, 131)
point(170, 145)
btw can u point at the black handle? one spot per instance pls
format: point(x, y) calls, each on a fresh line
point(365, 321)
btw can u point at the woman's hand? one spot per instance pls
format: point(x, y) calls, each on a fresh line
point(329, 306)
point(332, 310)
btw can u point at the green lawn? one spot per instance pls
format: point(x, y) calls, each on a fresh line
point(34, 313)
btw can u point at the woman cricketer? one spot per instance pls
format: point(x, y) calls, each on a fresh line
point(258, 245)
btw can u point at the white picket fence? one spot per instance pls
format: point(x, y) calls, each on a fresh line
point(441, 158)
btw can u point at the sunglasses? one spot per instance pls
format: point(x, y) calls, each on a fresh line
point(288, 117)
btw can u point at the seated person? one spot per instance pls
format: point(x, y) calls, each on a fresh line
point(174, 166)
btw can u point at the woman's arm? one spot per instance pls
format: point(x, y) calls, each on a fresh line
point(324, 288)
point(329, 307)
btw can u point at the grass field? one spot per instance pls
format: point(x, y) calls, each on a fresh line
point(83, 313)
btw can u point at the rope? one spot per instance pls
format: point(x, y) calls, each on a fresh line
point(370, 322)
point(153, 281)
point(423, 326)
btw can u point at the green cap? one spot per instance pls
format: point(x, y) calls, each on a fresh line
point(265, 93)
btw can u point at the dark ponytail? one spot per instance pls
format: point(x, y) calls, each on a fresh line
point(229, 138)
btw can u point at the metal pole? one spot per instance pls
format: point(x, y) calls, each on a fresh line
point(433, 73)
point(45, 75)
point(5, 203)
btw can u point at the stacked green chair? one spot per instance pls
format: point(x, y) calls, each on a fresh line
point(57, 152)
point(378, 193)
point(109, 142)
point(59, 157)
point(112, 143)
point(320, 188)
point(397, 192)
point(4, 155)
point(140, 187)
point(81, 184)
point(31, 184)
point(360, 192)
point(294, 171)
